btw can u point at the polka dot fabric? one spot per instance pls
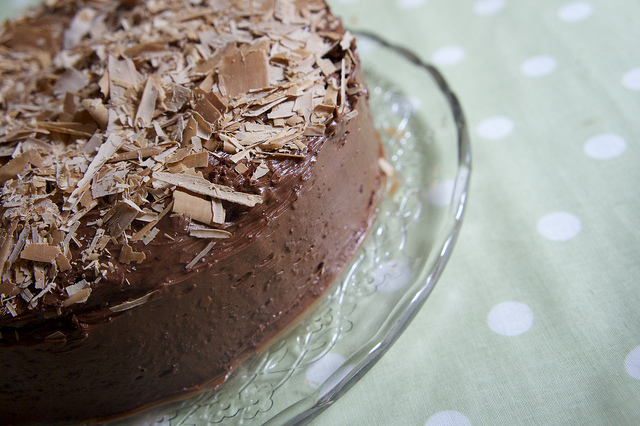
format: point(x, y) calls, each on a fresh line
point(536, 318)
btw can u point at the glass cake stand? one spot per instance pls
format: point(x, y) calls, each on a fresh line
point(310, 366)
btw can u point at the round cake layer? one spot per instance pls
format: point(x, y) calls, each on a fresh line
point(190, 334)
point(181, 181)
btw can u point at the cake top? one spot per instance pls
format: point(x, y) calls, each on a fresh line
point(112, 110)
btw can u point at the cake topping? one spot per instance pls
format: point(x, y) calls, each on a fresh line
point(112, 112)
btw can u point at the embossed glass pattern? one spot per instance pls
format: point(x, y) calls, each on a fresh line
point(363, 313)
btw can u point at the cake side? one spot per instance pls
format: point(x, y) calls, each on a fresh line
point(191, 334)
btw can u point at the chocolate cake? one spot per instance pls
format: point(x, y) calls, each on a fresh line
point(180, 181)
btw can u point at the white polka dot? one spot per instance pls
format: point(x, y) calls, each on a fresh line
point(366, 45)
point(575, 11)
point(632, 363)
point(410, 4)
point(631, 80)
point(539, 66)
point(391, 276)
point(488, 7)
point(559, 226)
point(415, 101)
point(496, 127)
point(441, 194)
point(19, 4)
point(448, 418)
point(336, 378)
point(448, 55)
point(321, 369)
point(605, 146)
point(510, 318)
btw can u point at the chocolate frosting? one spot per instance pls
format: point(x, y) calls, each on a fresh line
point(191, 333)
point(161, 329)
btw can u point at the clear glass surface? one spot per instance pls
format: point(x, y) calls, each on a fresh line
point(312, 364)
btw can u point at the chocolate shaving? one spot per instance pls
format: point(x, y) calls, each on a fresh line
point(80, 26)
point(98, 111)
point(208, 106)
point(6, 288)
point(209, 233)
point(17, 165)
point(114, 116)
point(63, 262)
point(79, 297)
point(106, 150)
point(260, 171)
point(241, 72)
point(40, 253)
point(125, 306)
point(201, 159)
point(148, 227)
point(147, 104)
point(194, 206)
point(121, 216)
point(204, 187)
point(200, 255)
point(71, 80)
point(127, 255)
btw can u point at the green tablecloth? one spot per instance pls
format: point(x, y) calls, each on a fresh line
point(536, 319)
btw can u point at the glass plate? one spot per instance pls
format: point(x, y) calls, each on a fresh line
point(310, 366)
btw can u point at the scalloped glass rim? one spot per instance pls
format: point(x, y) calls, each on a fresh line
point(405, 310)
point(426, 137)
